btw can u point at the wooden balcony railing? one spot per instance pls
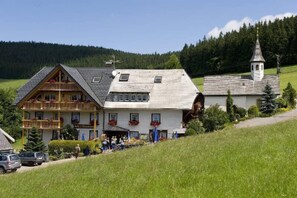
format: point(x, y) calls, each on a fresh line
point(42, 124)
point(58, 106)
point(62, 86)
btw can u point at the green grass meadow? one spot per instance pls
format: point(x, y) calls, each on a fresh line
point(253, 162)
point(12, 83)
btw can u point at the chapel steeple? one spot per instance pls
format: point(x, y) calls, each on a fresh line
point(257, 61)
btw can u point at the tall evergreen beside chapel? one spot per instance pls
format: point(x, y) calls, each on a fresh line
point(268, 104)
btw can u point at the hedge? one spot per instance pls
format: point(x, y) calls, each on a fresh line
point(68, 146)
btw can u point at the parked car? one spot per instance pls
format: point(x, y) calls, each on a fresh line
point(31, 158)
point(9, 162)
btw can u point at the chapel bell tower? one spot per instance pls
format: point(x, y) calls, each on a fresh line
point(257, 62)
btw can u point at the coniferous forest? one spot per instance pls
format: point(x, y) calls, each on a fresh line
point(232, 51)
point(228, 53)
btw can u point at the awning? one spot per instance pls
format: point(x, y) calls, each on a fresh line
point(179, 130)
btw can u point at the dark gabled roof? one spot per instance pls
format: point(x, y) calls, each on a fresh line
point(32, 83)
point(257, 53)
point(99, 88)
point(82, 76)
point(4, 143)
point(238, 85)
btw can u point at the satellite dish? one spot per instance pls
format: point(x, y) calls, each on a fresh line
point(114, 73)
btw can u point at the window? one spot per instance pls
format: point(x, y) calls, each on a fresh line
point(124, 77)
point(139, 98)
point(127, 97)
point(144, 98)
point(257, 67)
point(49, 97)
point(91, 134)
point(113, 116)
point(252, 67)
point(156, 117)
point(134, 116)
point(134, 134)
point(96, 79)
point(27, 115)
point(92, 118)
point(55, 135)
point(133, 97)
point(75, 117)
point(115, 98)
point(39, 115)
point(75, 97)
point(121, 97)
point(158, 79)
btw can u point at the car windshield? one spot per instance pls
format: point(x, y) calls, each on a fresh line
point(14, 157)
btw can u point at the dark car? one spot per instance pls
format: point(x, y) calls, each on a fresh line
point(9, 162)
point(31, 158)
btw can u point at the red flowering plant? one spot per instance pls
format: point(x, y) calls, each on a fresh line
point(133, 122)
point(92, 122)
point(112, 122)
point(155, 123)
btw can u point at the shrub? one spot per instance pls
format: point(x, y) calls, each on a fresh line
point(253, 111)
point(240, 111)
point(281, 103)
point(64, 147)
point(194, 127)
point(214, 118)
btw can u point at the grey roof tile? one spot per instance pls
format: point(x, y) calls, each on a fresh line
point(4, 144)
point(32, 83)
point(239, 85)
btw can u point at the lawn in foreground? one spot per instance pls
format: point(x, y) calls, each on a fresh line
point(256, 162)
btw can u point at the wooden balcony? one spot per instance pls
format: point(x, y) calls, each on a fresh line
point(59, 106)
point(42, 124)
point(59, 86)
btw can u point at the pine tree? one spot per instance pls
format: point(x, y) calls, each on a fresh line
point(34, 142)
point(268, 104)
point(229, 106)
point(289, 95)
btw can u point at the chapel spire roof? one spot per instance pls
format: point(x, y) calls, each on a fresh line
point(257, 53)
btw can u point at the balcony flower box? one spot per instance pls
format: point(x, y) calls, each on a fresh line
point(52, 80)
point(155, 123)
point(112, 122)
point(92, 122)
point(133, 122)
point(75, 121)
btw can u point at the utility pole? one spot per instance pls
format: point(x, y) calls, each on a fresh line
point(278, 71)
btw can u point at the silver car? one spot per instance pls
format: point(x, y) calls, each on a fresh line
point(9, 162)
point(31, 158)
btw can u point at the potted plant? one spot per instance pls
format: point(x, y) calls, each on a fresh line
point(155, 123)
point(112, 122)
point(133, 122)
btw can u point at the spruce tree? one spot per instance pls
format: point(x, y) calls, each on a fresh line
point(229, 106)
point(34, 142)
point(289, 95)
point(268, 104)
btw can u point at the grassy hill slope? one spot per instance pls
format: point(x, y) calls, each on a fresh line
point(256, 162)
point(12, 83)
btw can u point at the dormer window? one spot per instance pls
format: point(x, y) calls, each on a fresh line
point(158, 79)
point(96, 79)
point(124, 77)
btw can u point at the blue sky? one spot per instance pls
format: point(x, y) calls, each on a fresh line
point(140, 26)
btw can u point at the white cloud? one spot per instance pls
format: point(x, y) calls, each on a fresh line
point(235, 25)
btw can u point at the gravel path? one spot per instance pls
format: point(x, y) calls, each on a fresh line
point(267, 121)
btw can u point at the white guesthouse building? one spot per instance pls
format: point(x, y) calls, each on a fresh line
point(125, 102)
point(246, 90)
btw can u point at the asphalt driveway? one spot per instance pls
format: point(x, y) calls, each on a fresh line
point(269, 120)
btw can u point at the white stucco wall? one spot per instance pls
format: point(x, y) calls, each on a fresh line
point(170, 119)
point(240, 101)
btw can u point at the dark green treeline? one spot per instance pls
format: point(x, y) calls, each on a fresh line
point(232, 51)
